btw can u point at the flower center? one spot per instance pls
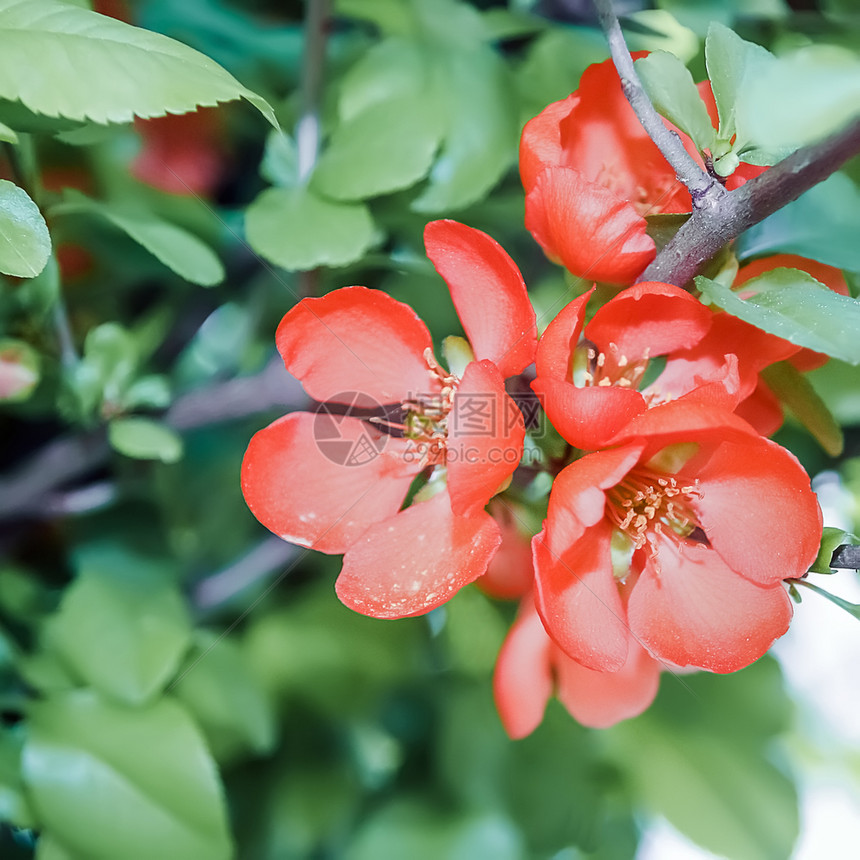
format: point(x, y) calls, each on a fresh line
point(591, 367)
point(426, 414)
point(646, 504)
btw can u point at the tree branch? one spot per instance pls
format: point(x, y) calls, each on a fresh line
point(709, 229)
point(703, 188)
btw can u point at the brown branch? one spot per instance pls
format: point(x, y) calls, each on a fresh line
point(703, 188)
point(31, 489)
point(709, 229)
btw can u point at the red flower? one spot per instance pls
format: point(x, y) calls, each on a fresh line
point(680, 536)
point(590, 174)
point(530, 667)
point(359, 348)
point(589, 388)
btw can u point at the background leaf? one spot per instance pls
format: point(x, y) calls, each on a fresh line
point(157, 788)
point(25, 243)
point(145, 439)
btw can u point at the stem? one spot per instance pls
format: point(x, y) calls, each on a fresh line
point(711, 228)
point(850, 608)
point(704, 189)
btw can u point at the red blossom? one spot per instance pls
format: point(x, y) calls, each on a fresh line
point(357, 348)
point(530, 667)
point(681, 536)
point(588, 377)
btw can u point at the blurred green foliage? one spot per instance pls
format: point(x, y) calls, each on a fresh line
point(172, 684)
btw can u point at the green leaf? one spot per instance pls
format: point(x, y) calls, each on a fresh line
point(800, 98)
point(280, 160)
point(14, 806)
point(25, 243)
point(179, 250)
point(822, 224)
point(7, 134)
point(831, 540)
point(657, 30)
point(725, 797)
point(120, 71)
point(296, 229)
point(123, 631)
point(796, 392)
point(385, 148)
point(673, 93)
point(791, 304)
point(217, 687)
point(732, 62)
point(481, 138)
point(109, 781)
point(145, 439)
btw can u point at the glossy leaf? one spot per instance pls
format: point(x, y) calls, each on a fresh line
point(296, 229)
point(109, 781)
point(25, 243)
point(673, 93)
point(120, 71)
point(145, 439)
point(795, 391)
point(793, 305)
point(123, 631)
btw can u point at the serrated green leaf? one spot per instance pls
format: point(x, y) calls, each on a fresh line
point(732, 62)
point(673, 93)
point(25, 243)
point(791, 304)
point(385, 148)
point(145, 439)
point(109, 781)
point(822, 224)
point(120, 71)
point(182, 252)
point(296, 229)
point(796, 392)
point(482, 131)
point(831, 539)
point(122, 631)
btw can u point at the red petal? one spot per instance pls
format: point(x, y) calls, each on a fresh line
point(510, 573)
point(601, 699)
point(416, 560)
point(578, 600)
point(557, 343)
point(356, 340)
point(594, 233)
point(762, 410)
point(485, 438)
point(697, 612)
point(588, 417)
point(649, 319)
point(522, 682)
point(607, 144)
point(296, 481)
point(488, 292)
point(540, 144)
point(758, 510)
point(577, 500)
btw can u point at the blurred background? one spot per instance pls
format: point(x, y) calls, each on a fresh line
point(177, 683)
